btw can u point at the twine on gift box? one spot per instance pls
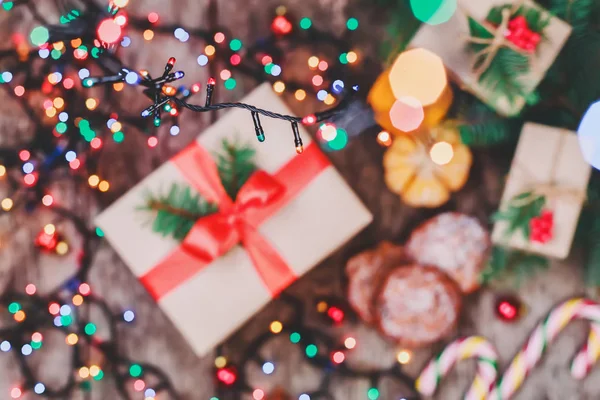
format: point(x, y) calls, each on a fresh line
point(550, 190)
point(487, 55)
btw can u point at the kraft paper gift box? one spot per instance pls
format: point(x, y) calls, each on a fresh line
point(449, 41)
point(547, 157)
point(207, 300)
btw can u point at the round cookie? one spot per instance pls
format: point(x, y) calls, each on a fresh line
point(366, 272)
point(418, 305)
point(455, 243)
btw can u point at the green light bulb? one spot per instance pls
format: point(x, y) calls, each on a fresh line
point(373, 394)
point(295, 337)
point(157, 122)
point(135, 370)
point(90, 329)
point(352, 24)
point(305, 23)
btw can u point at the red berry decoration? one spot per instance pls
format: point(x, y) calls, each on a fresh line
point(521, 36)
point(541, 227)
point(508, 308)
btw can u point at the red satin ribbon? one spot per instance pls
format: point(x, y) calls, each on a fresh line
point(236, 222)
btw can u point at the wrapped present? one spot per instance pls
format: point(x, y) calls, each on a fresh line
point(497, 49)
point(212, 273)
point(544, 193)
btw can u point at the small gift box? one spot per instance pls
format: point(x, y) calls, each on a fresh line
point(285, 216)
point(497, 49)
point(544, 193)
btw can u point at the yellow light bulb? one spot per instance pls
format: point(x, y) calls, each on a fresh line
point(210, 50)
point(300, 94)
point(7, 204)
point(62, 248)
point(279, 86)
point(49, 229)
point(104, 186)
point(148, 34)
point(84, 372)
point(2, 170)
point(276, 327)
point(72, 339)
point(94, 180)
point(313, 62)
point(220, 362)
point(403, 356)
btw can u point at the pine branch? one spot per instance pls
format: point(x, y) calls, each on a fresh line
point(236, 165)
point(577, 13)
point(512, 266)
point(157, 206)
point(480, 126)
point(176, 212)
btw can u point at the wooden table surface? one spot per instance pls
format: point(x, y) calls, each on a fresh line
point(154, 339)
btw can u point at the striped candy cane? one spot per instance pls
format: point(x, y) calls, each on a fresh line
point(542, 336)
point(461, 349)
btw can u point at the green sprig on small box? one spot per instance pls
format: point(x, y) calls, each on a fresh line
point(520, 211)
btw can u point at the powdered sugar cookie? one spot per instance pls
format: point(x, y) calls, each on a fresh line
point(453, 242)
point(366, 272)
point(418, 305)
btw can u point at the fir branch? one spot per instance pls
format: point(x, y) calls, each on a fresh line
point(480, 126)
point(577, 13)
point(518, 216)
point(236, 165)
point(176, 212)
point(513, 266)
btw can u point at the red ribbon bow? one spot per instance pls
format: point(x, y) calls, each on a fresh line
point(235, 222)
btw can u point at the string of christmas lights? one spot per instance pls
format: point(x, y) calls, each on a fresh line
point(71, 125)
point(95, 353)
point(89, 38)
point(163, 96)
point(320, 349)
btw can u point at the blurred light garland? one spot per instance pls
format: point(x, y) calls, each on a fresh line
point(67, 309)
point(320, 349)
point(71, 127)
point(70, 130)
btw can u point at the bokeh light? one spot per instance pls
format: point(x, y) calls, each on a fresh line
point(109, 31)
point(588, 134)
point(418, 73)
point(441, 153)
point(433, 12)
point(407, 114)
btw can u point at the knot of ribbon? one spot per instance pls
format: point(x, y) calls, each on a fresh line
point(236, 221)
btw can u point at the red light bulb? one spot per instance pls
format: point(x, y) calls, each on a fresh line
point(227, 375)
point(212, 81)
point(309, 119)
point(109, 31)
point(336, 314)
point(508, 308)
point(171, 61)
point(281, 25)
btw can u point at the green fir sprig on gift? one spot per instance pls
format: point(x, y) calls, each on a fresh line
point(512, 266)
point(176, 212)
point(506, 72)
point(520, 211)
